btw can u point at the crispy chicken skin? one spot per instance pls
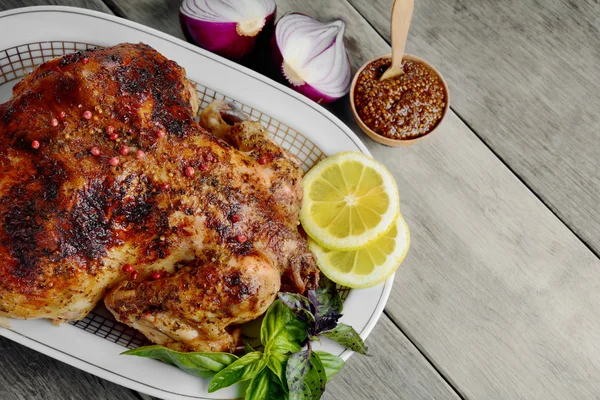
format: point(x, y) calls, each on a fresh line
point(210, 224)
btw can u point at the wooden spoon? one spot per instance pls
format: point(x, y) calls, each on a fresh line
point(401, 15)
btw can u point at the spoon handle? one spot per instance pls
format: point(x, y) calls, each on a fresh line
point(401, 15)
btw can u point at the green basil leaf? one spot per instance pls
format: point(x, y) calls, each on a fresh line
point(347, 337)
point(281, 331)
point(277, 363)
point(199, 364)
point(277, 316)
point(290, 339)
point(248, 348)
point(333, 364)
point(300, 305)
point(326, 297)
point(241, 370)
point(306, 376)
point(265, 386)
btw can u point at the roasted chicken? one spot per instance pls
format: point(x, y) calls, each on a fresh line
point(110, 189)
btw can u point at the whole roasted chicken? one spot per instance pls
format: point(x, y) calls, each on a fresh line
point(110, 189)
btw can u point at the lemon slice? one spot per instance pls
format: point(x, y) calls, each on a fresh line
point(367, 266)
point(350, 200)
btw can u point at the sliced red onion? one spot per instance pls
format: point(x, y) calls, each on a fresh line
point(230, 28)
point(312, 57)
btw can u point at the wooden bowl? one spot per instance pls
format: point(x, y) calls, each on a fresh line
point(398, 142)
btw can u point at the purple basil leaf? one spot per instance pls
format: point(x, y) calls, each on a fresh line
point(326, 322)
point(300, 306)
point(326, 298)
point(306, 376)
point(328, 304)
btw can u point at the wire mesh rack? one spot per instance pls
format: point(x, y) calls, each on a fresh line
point(16, 62)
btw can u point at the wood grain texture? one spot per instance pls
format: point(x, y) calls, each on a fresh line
point(397, 369)
point(96, 5)
point(29, 375)
point(524, 75)
point(495, 291)
point(401, 17)
point(158, 14)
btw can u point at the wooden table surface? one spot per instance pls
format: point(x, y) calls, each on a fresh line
point(499, 297)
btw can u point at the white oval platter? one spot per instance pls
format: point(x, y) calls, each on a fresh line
point(91, 352)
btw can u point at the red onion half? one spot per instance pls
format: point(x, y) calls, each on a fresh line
point(312, 57)
point(229, 28)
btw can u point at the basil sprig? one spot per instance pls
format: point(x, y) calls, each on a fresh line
point(199, 364)
point(321, 311)
point(286, 368)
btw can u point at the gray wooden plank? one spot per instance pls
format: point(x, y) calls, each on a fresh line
point(486, 291)
point(416, 373)
point(395, 370)
point(162, 15)
point(29, 375)
point(96, 5)
point(490, 369)
point(496, 291)
point(524, 76)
